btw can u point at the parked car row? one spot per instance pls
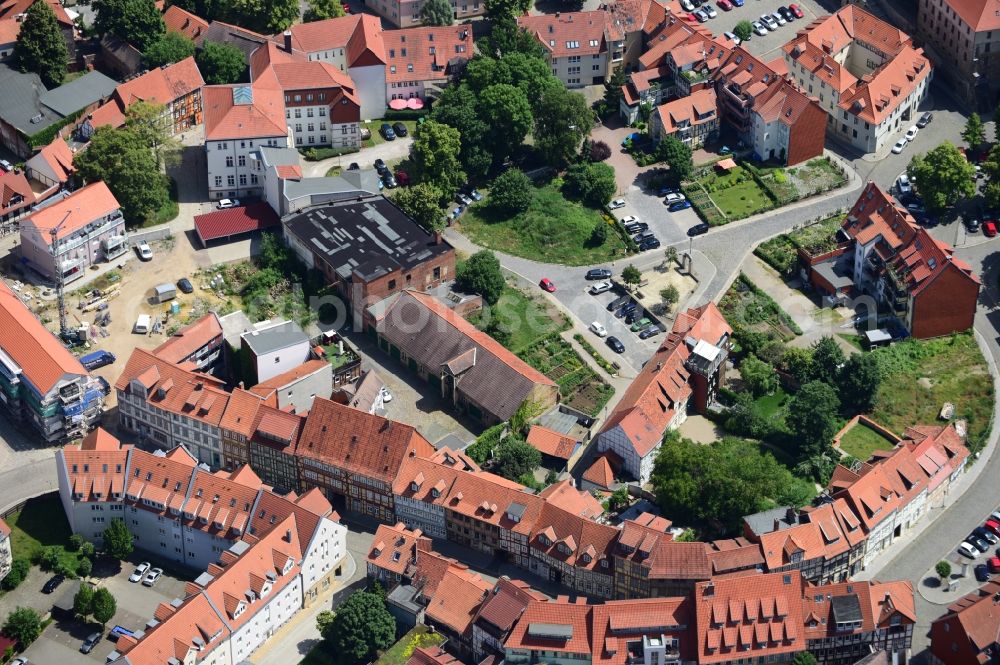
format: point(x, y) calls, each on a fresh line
point(390, 132)
point(771, 22)
point(982, 538)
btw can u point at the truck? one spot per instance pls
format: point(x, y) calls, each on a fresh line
point(142, 324)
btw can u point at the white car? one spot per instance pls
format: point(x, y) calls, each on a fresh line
point(598, 329)
point(710, 10)
point(673, 198)
point(967, 550)
point(911, 133)
point(733, 38)
point(617, 203)
point(5, 165)
point(778, 18)
point(386, 395)
point(904, 184)
point(145, 253)
point(898, 148)
point(139, 571)
point(628, 219)
point(759, 28)
point(600, 287)
point(228, 203)
point(687, 5)
point(769, 21)
point(152, 576)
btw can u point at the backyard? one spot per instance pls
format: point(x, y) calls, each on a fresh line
point(41, 524)
point(781, 252)
point(553, 230)
point(522, 319)
point(921, 375)
point(398, 654)
point(862, 441)
point(746, 305)
point(579, 386)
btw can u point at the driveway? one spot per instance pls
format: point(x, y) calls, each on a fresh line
point(388, 151)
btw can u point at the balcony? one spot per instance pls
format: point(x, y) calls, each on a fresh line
point(114, 246)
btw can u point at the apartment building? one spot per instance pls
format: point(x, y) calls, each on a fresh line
point(968, 633)
point(692, 120)
point(354, 457)
point(41, 383)
point(890, 258)
point(573, 551)
point(582, 47)
point(498, 615)
point(393, 555)
point(649, 563)
point(179, 511)
point(200, 343)
point(176, 86)
point(271, 348)
point(275, 433)
point(423, 60)
point(322, 107)
point(685, 371)
point(406, 13)
point(183, 22)
point(238, 120)
point(89, 229)
point(473, 373)
point(958, 35)
point(865, 73)
point(237, 425)
point(172, 406)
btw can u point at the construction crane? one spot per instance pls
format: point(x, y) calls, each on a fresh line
point(60, 294)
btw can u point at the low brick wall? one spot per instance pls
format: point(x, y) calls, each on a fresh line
point(865, 421)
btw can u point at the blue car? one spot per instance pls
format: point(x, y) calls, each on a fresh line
point(738, 3)
point(679, 205)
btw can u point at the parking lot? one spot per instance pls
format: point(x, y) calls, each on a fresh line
point(60, 643)
point(764, 47)
point(590, 308)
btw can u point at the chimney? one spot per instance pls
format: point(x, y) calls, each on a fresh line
point(288, 40)
point(438, 238)
point(288, 536)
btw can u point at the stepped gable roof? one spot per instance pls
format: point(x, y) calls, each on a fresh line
point(359, 442)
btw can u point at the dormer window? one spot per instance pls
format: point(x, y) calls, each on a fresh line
point(288, 565)
point(435, 493)
point(585, 558)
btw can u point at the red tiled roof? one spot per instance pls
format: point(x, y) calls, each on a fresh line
point(359, 34)
point(600, 473)
point(432, 656)
point(186, 23)
point(10, 28)
point(423, 53)
point(980, 15)
point(107, 114)
point(9, 9)
point(59, 157)
point(189, 339)
point(14, 184)
point(619, 624)
point(241, 412)
point(572, 33)
point(359, 442)
point(162, 85)
point(552, 443)
point(456, 599)
point(696, 109)
point(73, 212)
point(235, 221)
point(528, 634)
point(565, 495)
point(262, 116)
point(505, 605)
point(96, 467)
point(40, 355)
point(175, 389)
point(394, 548)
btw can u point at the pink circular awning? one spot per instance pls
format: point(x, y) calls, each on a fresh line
point(397, 104)
point(414, 103)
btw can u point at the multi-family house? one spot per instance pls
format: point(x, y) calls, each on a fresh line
point(449, 595)
point(816, 548)
point(968, 633)
point(498, 615)
point(866, 74)
point(406, 13)
point(581, 47)
point(692, 120)
point(471, 371)
point(238, 120)
point(172, 406)
point(353, 457)
point(200, 343)
point(176, 86)
point(322, 107)
point(16, 198)
point(274, 436)
point(941, 454)
point(650, 87)
point(422, 60)
point(237, 426)
point(888, 257)
point(958, 35)
point(684, 372)
point(370, 261)
point(183, 22)
point(649, 563)
point(554, 632)
point(13, 13)
point(41, 383)
point(68, 236)
point(353, 44)
point(295, 389)
point(393, 555)
point(272, 348)
point(573, 551)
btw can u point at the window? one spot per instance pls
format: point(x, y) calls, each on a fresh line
point(229, 162)
point(242, 160)
point(243, 179)
point(312, 139)
point(298, 127)
point(309, 112)
point(311, 127)
point(322, 112)
point(322, 126)
point(231, 181)
point(392, 284)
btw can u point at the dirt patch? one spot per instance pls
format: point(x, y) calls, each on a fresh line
point(925, 382)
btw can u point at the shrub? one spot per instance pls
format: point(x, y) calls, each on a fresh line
point(599, 151)
point(75, 542)
point(18, 571)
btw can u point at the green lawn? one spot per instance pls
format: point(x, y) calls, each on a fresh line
point(580, 387)
point(771, 405)
point(525, 318)
point(552, 230)
point(953, 370)
point(736, 193)
point(42, 523)
point(745, 304)
point(373, 126)
point(862, 441)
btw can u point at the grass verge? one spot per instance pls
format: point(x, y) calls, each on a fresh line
point(169, 210)
point(552, 230)
point(40, 524)
point(521, 318)
point(598, 358)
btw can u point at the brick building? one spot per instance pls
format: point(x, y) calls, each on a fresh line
point(968, 633)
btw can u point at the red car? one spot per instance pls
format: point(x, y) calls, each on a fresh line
point(724, 5)
point(993, 526)
point(989, 228)
point(403, 178)
point(994, 564)
point(796, 11)
point(547, 285)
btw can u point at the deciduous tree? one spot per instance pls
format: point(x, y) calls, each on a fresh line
point(457, 108)
point(593, 184)
point(991, 170)
point(510, 193)
point(669, 296)
point(24, 625)
point(758, 376)
point(220, 63)
point(361, 627)
point(422, 202)
point(503, 11)
point(943, 176)
point(40, 46)
point(171, 47)
point(118, 539)
point(124, 161)
point(943, 569)
point(138, 22)
point(599, 151)
point(507, 113)
point(103, 606)
point(859, 383)
point(677, 156)
point(562, 120)
point(83, 601)
point(437, 12)
point(481, 274)
point(743, 30)
point(812, 418)
point(631, 276)
point(320, 10)
point(803, 658)
point(613, 89)
point(434, 154)
point(18, 571)
point(973, 133)
point(827, 360)
point(515, 457)
point(149, 121)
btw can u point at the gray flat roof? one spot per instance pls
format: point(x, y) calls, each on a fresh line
point(838, 271)
point(276, 337)
point(348, 185)
point(557, 631)
point(20, 102)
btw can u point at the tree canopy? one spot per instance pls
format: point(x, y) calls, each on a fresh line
point(118, 539)
point(220, 64)
point(436, 12)
point(40, 46)
point(171, 47)
point(83, 601)
point(943, 176)
point(506, 111)
point(677, 156)
point(320, 10)
point(125, 162)
point(562, 120)
point(593, 184)
point(103, 606)
point(434, 154)
point(759, 376)
point(973, 133)
point(481, 274)
point(24, 625)
point(422, 202)
point(859, 383)
point(511, 192)
point(631, 275)
point(743, 30)
point(813, 417)
point(719, 483)
point(827, 360)
point(361, 627)
point(991, 170)
point(515, 457)
point(502, 11)
point(138, 22)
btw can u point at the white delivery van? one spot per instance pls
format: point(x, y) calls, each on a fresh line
point(142, 324)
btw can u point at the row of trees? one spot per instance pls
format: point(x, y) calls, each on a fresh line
point(219, 63)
